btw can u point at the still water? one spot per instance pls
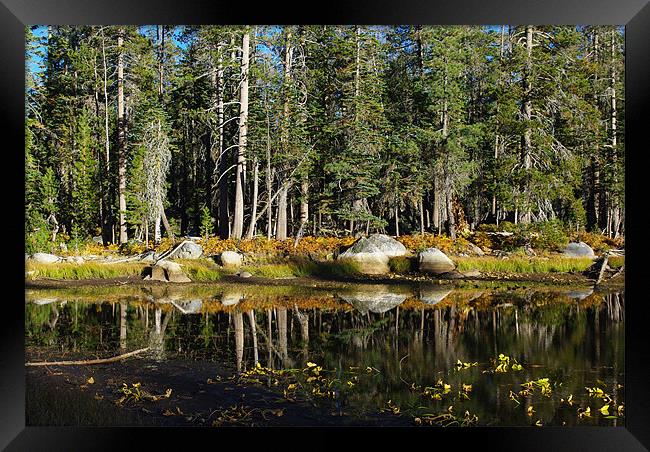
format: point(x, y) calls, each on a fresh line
point(409, 338)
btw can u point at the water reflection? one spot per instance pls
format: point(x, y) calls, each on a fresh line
point(412, 334)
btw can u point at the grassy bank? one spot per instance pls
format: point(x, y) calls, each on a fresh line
point(205, 270)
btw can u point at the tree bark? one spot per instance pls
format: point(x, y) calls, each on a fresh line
point(238, 221)
point(106, 223)
point(281, 222)
point(251, 226)
point(121, 137)
point(527, 113)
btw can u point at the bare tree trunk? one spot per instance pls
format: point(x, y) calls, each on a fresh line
point(106, 223)
point(527, 112)
point(121, 137)
point(421, 209)
point(615, 220)
point(304, 201)
point(269, 185)
point(156, 231)
point(251, 226)
point(497, 135)
point(238, 221)
point(281, 222)
point(397, 220)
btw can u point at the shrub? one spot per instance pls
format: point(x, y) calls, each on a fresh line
point(548, 235)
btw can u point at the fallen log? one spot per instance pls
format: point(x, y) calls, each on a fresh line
point(87, 362)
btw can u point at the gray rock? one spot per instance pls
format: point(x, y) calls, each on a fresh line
point(98, 239)
point(230, 259)
point(434, 261)
point(454, 274)
point(379, 300)
point(168, 271)
point(44, 258)
point(580, 249)
point(435, 294)
point(244, 275)
point(474, 249)
point(367, 256)
point(387, 245)
point(471, 274)
point(75, 259)
point(187, 250)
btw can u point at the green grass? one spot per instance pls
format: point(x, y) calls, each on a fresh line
point(402, 264)
point(616, 262)
point(201, 270)
point(300, 268)
point(87, 270)
point(516, 264)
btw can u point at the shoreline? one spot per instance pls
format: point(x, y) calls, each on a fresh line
point(564, 279)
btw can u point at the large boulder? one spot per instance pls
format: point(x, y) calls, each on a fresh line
point(44, 258)
point(167, 271)
point(434, 261)
point(187, 250)
point(230, 259)
point(579, 249)
point(369, 259)
point(379, 299)
point(388, 245)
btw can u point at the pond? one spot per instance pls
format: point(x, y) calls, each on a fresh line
point(432, 354)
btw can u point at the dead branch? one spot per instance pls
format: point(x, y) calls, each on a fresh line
point(88, 362)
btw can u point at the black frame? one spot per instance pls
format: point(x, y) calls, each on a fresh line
point(634, 14)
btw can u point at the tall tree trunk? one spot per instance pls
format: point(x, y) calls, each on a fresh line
point(251, 226)
point(223, 160)
point(614, 223)
point(451, 225)
point(106, 223)
point(238, 221)
point(497, 136)
point(269, 179)
point(593, 204)
point(121, 137)
point(527, 112)
point(281, 220)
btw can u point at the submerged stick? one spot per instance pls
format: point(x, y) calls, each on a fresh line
point(88, 362)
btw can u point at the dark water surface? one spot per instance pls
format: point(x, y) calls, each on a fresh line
point(391, 343)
